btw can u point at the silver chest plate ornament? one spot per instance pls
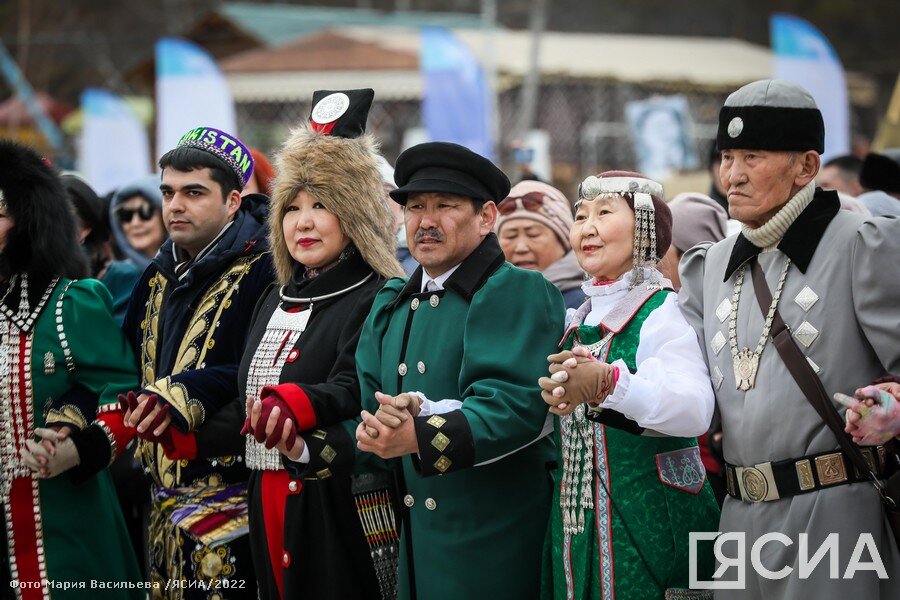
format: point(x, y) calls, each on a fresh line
point(746, 361)
point(746, 364)
point(735, 127)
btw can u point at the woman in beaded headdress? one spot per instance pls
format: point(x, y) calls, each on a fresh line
point(333, 249)
point(631, 485)
point(61, 353)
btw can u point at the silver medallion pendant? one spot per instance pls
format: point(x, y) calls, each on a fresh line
point(746, 364)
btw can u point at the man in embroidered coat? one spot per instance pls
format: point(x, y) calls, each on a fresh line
point(461, 344)
point(187, 323)
point(839, 282)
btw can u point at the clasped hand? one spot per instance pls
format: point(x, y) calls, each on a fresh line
point(576, 377)
point(53, 454)
point(269, 422)
point(389, 433)
point(873, 413)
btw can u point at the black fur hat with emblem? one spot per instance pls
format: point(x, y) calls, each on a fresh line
point(771, 114)
point(446, 168)
point(42, 242)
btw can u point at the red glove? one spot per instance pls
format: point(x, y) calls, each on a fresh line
point(129, 403)
point(259, 432)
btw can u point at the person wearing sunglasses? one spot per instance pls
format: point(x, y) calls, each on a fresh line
point(135, 215)
point(533, 227)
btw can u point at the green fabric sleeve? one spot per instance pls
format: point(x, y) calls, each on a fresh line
point(102, 361)
point(513, 324)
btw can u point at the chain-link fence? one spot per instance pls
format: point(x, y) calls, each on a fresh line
point(585, 121)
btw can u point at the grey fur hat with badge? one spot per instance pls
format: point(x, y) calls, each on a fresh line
point(332, 158)
point(771, 114)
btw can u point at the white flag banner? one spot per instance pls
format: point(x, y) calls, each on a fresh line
point(804, 56)
point(114, 149)
point(190, 92)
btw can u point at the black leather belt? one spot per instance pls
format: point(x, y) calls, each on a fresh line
point(769, 481)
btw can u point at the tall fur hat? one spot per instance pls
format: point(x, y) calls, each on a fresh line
point(42, 241)
point(334, 160)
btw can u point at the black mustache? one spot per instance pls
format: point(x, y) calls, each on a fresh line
point(431, 233)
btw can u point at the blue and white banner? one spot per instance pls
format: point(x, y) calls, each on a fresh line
point(113, 149)
point(190, 91)
point(456, 97)
point(803, 55)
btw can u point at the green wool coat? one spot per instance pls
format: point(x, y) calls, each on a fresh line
point(478, 493)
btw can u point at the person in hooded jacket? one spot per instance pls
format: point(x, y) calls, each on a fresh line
point(135, 216)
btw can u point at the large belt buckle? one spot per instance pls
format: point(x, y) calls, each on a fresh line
point(757, 483)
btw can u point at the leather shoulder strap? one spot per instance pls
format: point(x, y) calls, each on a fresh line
point(803, 373)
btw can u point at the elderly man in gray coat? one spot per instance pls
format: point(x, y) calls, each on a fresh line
point(835, 279)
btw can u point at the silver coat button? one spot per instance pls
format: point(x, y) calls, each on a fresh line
point(402, 369)
point(430, 504)
point(434, 301)
point(293, 486)
point(414, 304)
point(421, 367)
point(408, 500)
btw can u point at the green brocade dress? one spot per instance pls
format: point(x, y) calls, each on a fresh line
point(56, 531)
point(635, 542)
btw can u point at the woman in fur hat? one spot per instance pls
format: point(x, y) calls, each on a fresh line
point(625, 501)
point(333, 249)
point(57, 334)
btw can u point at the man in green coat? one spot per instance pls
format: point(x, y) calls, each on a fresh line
point(447, 363)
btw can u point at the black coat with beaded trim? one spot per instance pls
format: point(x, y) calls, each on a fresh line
point(326, 549)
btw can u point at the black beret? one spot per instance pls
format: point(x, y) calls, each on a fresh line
point(442, 167)
point(880, 172)
point(341, 113)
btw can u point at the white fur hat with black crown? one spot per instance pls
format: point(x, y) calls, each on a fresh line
point(771, 114)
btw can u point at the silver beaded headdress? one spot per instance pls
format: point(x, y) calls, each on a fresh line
point(3, 205)
point(641, 190)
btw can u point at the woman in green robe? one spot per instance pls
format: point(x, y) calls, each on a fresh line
point(60, 351)
point(630, 486)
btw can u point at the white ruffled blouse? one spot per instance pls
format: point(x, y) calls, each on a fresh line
point(670, 392)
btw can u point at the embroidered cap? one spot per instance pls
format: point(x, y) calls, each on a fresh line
point(227, 148)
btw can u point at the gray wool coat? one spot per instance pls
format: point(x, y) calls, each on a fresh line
point(842, 298)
